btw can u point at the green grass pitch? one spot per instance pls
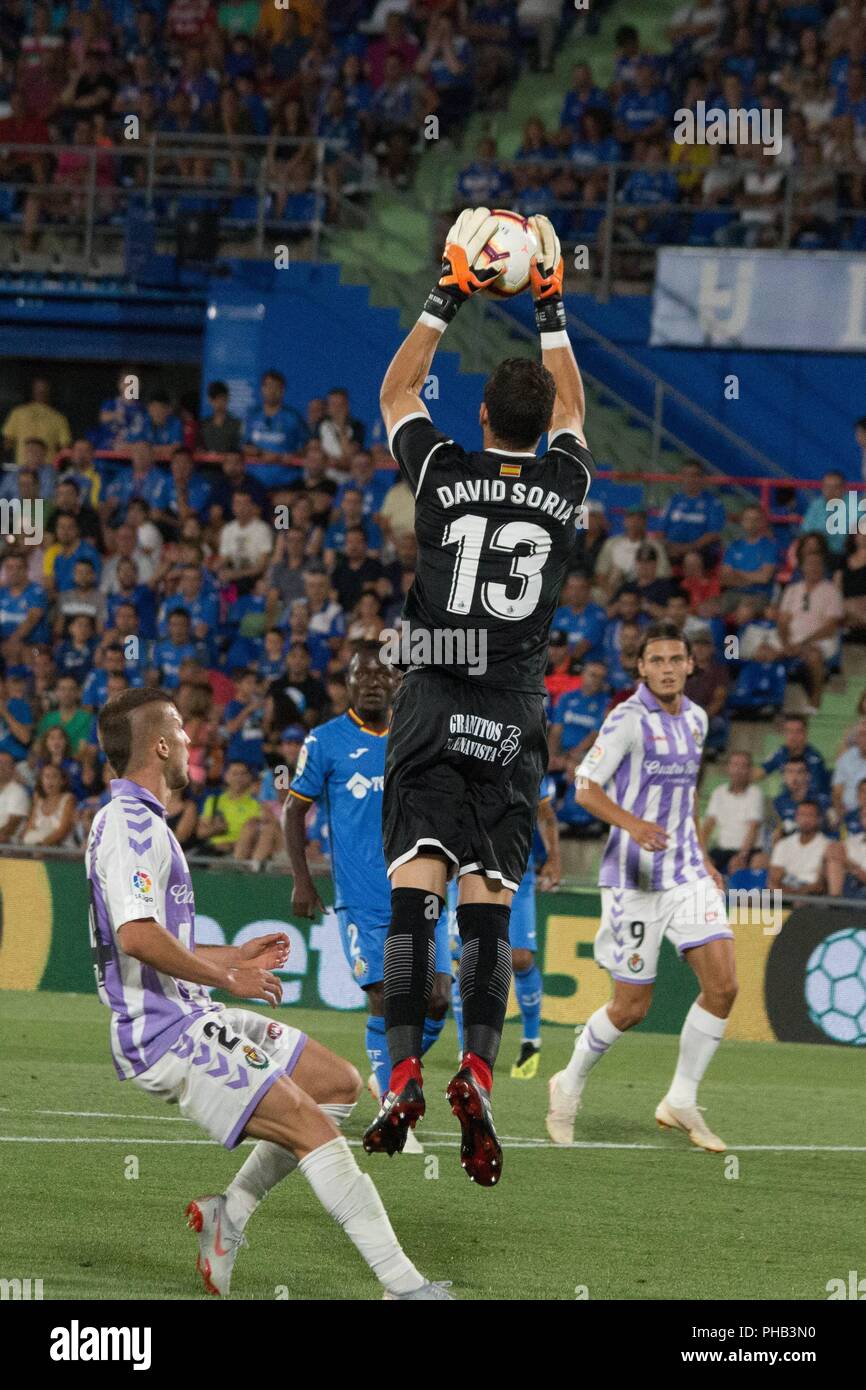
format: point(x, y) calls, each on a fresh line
point(636, 1214)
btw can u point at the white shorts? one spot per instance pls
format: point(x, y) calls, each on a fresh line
point(221, 1066)
point(633, 923)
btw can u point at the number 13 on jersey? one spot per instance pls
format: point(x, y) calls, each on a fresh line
point(467, 533)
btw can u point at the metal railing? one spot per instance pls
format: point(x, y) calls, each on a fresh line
point(167, 167)
point(480, 340)
point(88, 191)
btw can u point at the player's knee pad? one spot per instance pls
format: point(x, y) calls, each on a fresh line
point(485, 960)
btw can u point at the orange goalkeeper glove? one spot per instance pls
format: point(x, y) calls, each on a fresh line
point(545, 277)
point(460, 277)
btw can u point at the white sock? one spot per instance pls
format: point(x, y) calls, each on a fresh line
point(598, 1035)
point(702, 1032)
point(267, 1165)
point(352, 1200)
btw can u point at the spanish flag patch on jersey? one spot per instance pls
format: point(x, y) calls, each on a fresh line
point(510, 470)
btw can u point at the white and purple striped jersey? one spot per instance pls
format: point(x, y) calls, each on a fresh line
point(648, 762)
point(137, 870)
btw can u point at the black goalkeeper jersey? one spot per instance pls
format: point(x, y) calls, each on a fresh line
point(495, 532)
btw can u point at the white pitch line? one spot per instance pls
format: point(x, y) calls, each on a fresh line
point(513, 1144)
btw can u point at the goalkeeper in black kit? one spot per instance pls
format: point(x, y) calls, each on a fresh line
point(467, 746)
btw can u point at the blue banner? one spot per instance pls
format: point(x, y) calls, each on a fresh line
point(799, 300)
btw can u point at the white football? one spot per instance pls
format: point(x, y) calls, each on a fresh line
point(513, 244)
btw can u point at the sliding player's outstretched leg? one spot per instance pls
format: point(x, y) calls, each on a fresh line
point(410, 967)
point(485, 977)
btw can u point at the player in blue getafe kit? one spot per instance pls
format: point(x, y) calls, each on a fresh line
point(343, 763)
point(522, 937)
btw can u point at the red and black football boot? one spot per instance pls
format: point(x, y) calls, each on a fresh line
point(480, 1150)
point(401, 1108)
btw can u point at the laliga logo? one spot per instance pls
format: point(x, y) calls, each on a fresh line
point(181, 893)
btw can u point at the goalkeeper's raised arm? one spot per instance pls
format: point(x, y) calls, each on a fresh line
point(400, 396)
point(546, 273)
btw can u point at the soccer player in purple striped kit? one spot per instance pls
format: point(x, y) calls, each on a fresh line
point(640, 776)
point(238, 1074)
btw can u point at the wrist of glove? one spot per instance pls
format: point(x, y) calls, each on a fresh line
point(443, 304)
point(550, 314)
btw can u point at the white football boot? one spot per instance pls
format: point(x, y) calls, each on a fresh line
point(218, 1242)
point(561, 1111)
point(689, 1118)
point(427, 1293)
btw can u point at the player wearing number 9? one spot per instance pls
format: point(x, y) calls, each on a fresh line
point(467, 748)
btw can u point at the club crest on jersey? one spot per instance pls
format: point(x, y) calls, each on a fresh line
point(359, 969)
point(635, 964)
point(254, 1057)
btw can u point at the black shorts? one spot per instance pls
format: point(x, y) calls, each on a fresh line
point(463, 775)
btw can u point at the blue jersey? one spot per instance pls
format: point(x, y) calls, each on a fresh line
point(283, 432)
point(152, 487)
point(343, 762)
point(579, 715)
point(686, 519)
point(819, 777)
point(14, 608)
point(587, 626)
point(168, 659)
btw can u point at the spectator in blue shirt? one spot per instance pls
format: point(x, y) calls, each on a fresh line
point(96, 686)
point(578, 715)
point(169, 654)
point(693, 519)
point(201, 604)
point(16, 716)
point(272, 432)
point(582, 96)
point(159, 427)
point(795, 744)
point(243, 726)
point(447, 62)
point(72, 549)
point(74, 656)
point(22, 610)
point(749, 563)
point(832, 513)
point(654, 184)
point(796, 787)
point(187, 493)
point(643, 111)
point(582, 621)
point(372, 482)
point(594, 147)
point(350, 514)
point(536, 144)
point(143, 479)
point(849, 772)
point(121, 416)
point(484, 183)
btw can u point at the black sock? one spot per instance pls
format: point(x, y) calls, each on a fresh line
point(410, 964)
point(485, 975)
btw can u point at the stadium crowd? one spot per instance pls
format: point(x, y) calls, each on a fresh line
point(361, 74)
point(235, 562)
point(805, 62)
